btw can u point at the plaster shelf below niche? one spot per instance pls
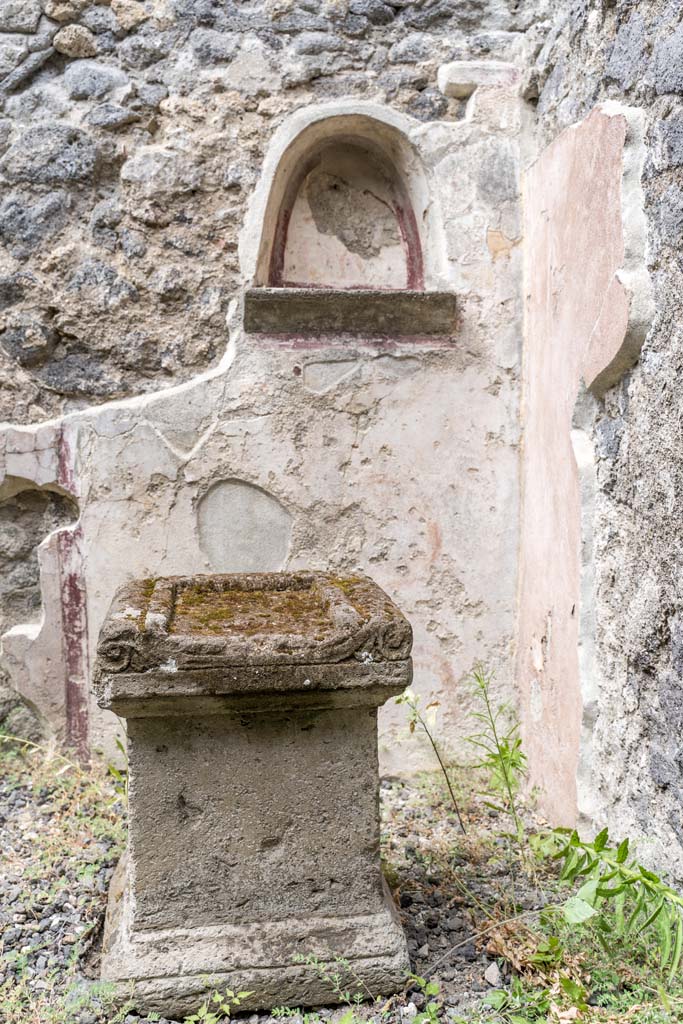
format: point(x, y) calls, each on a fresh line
point(405, 313)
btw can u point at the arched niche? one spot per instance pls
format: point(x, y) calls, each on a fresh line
point(346, 221)
point(341, 235)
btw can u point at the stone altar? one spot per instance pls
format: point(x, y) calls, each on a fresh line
point(251, 705)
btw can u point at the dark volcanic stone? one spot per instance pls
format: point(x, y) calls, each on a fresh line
point(30, 343)
point(210, 46)
point(145, 48)
point(667, 62)
point(78, 374)
point(669, 142)
point(24, 224)
point(105, 289)
point(12, 289)
point(374, 10)
point(428, 105)
point(51, 153)
point(627, 59)
point(670, 215)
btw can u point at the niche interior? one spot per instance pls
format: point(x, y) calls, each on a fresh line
point(341, 247)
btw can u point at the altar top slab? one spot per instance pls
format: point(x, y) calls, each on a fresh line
point(185, 623)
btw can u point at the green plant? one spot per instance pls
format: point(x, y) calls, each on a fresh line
point(20, 1003)
point(429, 989)
point(331, 974)
point(549, 952)
point(223, 1003)
point(519, 1005)
point(417, 718)
point(22, 744)
point(501, 749)
point(575, 992)
point(620, 898)
point(291, 1011)
point(78, 832)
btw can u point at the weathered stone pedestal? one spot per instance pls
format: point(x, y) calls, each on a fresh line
point(251, 704)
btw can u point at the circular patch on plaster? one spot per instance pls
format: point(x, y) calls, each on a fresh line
point(242, 528)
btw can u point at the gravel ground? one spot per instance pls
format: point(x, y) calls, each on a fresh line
point(63, 830)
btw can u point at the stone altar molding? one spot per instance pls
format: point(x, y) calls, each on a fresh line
point(251, 705)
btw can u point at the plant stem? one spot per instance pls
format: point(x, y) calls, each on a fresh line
point(443, 769)
point(485, 931)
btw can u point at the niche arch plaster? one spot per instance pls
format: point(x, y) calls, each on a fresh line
point(389, 142)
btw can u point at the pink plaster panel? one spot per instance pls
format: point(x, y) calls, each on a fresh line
point(576, 321)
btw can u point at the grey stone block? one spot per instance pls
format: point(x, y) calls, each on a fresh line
point(89, 79)
point(668, 143)
point(355, 26)
point(150, 95)
point(428, 105)
point(375, 11)
point(210, 46)
point(25, 71)
point(628, 56)
point(111, 117)
point(670, 215)
point(145, 48)
point(297, 22)
point(13, 49)
point(19, 15)
point(5, 133)
point(101, 285)
point(252, 740)
point(99, 20)
point(425, 16)
point(415, 47)
point(314, 43)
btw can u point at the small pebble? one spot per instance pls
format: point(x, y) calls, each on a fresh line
point(492, 975)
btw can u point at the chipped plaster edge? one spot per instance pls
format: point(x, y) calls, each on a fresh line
point(633, 276)
point(590, 681)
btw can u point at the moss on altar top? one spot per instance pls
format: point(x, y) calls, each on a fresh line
point(209, 608)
